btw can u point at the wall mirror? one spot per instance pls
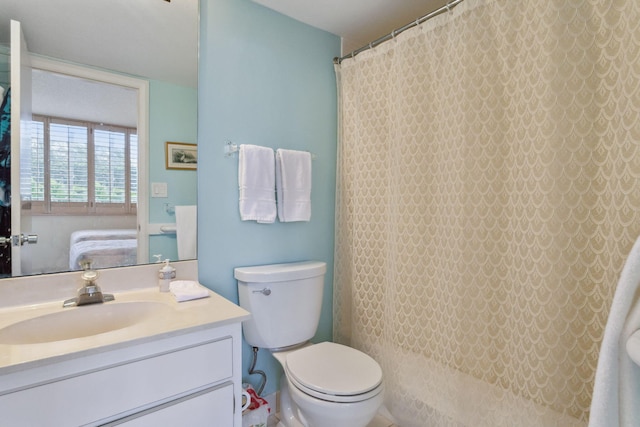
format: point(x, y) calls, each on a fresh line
point(92, 65)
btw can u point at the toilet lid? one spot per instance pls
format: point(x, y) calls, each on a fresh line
point(334, 369)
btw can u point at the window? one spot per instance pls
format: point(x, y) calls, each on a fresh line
point(82, 168)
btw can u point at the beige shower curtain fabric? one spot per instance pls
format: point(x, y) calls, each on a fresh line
point(488, 193)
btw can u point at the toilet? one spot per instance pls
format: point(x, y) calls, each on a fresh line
point(325, 384)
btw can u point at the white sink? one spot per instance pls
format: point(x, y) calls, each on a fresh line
point(78, 322)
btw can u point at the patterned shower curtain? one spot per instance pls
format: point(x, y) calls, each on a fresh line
point(488, 193)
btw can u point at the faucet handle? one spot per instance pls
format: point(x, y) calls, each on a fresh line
point(89, 276)
point(90, 292)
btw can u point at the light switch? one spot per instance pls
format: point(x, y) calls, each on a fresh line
point(159, 189)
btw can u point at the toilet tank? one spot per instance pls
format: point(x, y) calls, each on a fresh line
point(284, 301)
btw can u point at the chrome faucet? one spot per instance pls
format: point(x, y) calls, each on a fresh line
point(90, 293)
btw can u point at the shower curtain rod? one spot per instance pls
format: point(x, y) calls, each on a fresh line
point(394, 33)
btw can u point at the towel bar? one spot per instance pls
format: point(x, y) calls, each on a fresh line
point(230, 149)
point(168, 228)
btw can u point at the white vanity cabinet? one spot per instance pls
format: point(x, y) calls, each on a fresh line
point(211, 405)
point(191, 379)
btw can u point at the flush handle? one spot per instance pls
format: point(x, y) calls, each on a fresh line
point(265, 292)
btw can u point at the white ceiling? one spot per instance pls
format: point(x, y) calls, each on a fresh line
point(81, 99)
point(158, 39)
point(358, 22)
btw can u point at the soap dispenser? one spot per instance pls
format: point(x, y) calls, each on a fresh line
point(166, 273)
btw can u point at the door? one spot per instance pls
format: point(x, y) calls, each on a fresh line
point(5, 181)
point(19, 150)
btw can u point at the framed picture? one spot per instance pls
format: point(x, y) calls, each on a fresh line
point(180, 155)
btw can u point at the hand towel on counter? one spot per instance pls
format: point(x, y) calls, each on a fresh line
point(293, 183)
point(187, 231)
point(616, 390)
point(186, 290)
point(256, 180)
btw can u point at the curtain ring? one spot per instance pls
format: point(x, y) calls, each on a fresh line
point(393, 34)
point(448, 8)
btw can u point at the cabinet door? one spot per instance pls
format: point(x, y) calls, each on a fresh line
point(122, 389)
point(209, 407)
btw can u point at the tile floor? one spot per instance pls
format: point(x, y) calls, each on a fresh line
point(378, 421)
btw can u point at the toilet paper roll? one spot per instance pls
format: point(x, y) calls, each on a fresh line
point(246, 399)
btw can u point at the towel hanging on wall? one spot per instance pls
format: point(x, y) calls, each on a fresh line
point(293, 183)
point(187, 231)
point(256, 181)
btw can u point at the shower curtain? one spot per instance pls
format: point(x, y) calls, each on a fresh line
point(488, 193)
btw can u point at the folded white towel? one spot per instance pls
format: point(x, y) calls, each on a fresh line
point(256, 181)
point(186, 290)
point(293, 183)
point(187, 231)
point(616, 391)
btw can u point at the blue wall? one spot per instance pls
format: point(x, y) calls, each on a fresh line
point(172, 117)
point(268, 80)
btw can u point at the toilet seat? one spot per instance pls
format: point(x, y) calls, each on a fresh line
point(334, 372)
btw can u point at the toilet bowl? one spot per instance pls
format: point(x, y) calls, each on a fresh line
point(330, 385)
point(325, 384)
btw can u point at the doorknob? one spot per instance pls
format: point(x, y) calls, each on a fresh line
point(30, 239)
point(19, 240)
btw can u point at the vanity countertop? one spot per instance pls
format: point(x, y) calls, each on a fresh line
point(170, 319)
